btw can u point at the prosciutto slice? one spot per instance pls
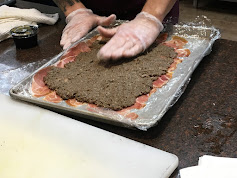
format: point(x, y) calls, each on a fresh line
point(183, 52)
point(73, 102)
point(38, 88)
point(176, 42)
point(53, 97)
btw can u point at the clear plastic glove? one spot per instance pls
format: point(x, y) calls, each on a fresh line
point(130, 39)
point(79, 23)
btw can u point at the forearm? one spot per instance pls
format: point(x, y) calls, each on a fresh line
point(67, 6)
point(158, 8)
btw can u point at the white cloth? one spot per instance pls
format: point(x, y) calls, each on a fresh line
point(217, 162)
point(11, 17)
point(204, 172)
point(211, 167)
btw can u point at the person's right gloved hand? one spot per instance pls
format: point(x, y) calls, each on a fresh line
point(130, 39)
point(79, 23)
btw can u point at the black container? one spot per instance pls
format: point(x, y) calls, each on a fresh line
point(25, 36)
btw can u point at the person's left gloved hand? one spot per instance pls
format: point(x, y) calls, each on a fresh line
point(79, 23)
point(130, 39)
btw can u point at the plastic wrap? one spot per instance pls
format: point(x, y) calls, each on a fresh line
point(11, 75)
point(200, 40)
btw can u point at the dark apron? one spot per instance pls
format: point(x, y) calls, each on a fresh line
point(126, 9)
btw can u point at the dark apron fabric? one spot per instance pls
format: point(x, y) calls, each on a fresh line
point(126, 9)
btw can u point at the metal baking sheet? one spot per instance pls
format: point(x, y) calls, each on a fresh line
point(200, 40)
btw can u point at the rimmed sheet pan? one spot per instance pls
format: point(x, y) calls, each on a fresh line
point(200, 40)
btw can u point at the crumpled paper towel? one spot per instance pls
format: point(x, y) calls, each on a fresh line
point(211, 167)
point(11, 17)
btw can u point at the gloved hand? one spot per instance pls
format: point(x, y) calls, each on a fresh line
point(130, 39)
point(79, 23)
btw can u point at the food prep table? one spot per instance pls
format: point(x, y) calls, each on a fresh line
point(204, 119)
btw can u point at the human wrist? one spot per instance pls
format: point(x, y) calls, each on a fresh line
point(152, 18)
point(78, 11)
point(70, 8)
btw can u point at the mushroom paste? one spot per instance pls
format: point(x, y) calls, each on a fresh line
point(114, 85)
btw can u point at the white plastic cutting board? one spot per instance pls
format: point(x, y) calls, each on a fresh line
point(37, 143)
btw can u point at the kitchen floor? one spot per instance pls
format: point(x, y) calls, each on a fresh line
point(223, 15)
